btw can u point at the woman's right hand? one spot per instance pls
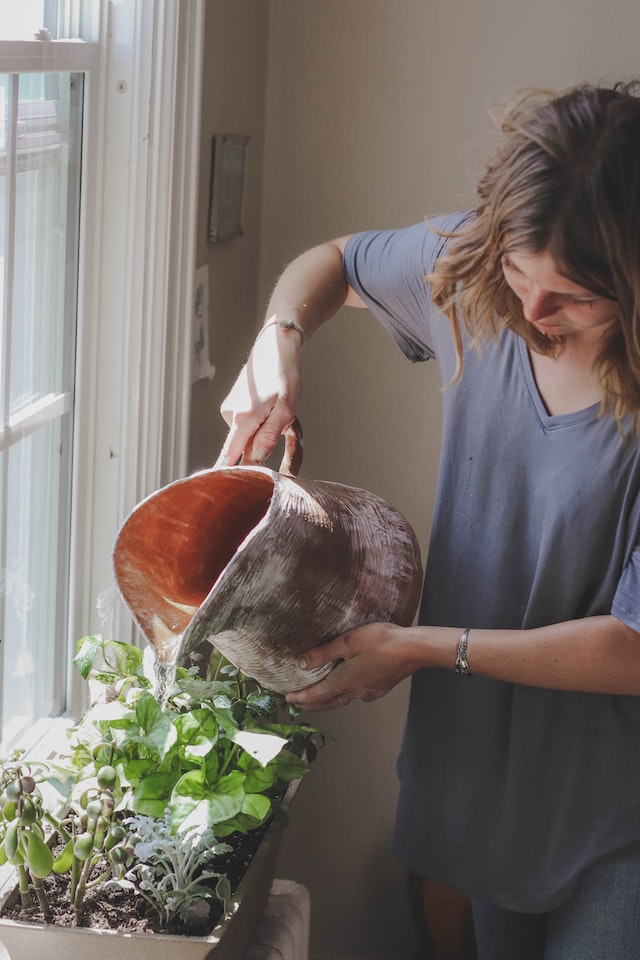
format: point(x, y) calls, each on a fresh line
point(263, 401)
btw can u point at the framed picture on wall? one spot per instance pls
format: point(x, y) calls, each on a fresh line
point(228, 159)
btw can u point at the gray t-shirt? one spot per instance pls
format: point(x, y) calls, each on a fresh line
point(509, 791)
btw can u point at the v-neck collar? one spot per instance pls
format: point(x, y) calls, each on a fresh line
point(549, 421)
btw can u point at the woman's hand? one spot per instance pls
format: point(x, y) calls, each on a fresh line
point(264, 399)
point(595, 655)
point(262, 402)
point(370, 660)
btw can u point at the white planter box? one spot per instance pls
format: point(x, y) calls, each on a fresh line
point(228, 940)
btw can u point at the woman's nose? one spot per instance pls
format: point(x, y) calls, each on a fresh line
point(538, 305)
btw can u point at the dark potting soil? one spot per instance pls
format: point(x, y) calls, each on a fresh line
point(116, 909)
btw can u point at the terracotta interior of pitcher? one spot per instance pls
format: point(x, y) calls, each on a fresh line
point(173, 548)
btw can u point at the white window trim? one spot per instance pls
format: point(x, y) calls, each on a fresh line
point(143, 64)
point(133, 391)
point(43, 56)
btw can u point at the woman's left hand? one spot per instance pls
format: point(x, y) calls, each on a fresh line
point(370, 660)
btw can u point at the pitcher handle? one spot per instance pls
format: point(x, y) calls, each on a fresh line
point(292, 457)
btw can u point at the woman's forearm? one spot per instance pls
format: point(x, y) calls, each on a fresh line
point(264, 399)
point(311, 289)
point(596, 655)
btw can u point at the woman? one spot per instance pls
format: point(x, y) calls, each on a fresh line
point(520, 780)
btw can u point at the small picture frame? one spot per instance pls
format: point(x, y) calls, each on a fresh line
point(228, 161)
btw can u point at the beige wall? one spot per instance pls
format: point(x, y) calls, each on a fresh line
point(376, 114)
point(233, 101)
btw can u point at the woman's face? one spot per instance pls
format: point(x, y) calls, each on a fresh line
point(555, 305)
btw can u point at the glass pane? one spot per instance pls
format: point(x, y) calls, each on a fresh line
point(34, 607)
point(38, 222)
point(20, 20)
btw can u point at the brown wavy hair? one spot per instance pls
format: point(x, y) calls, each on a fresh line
point(566, 180)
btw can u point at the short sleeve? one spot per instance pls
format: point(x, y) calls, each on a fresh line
point(387, 269)
point(626, 602)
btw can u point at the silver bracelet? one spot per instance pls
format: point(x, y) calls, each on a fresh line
point(462, 664)
point(285, 324)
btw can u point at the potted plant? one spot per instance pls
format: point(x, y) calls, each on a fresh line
point(164, 779)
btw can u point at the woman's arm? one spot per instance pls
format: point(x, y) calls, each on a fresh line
point(596, 655)
point(263, 401)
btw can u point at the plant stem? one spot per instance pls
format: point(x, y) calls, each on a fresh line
point(73, 882)
point(98, 880)
point(23, 878)
point(42, 897)
point(231, 755)
point(57, 825)
point(216, 671)
point(78, 900)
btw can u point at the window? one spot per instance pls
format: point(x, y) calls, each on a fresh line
point(23, 19)
point(40, 137)
point(97, 240)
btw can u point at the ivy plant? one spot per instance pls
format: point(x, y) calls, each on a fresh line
point(211, 750)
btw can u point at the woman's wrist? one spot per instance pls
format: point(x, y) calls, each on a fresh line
point(434, 647)
point(284, 323)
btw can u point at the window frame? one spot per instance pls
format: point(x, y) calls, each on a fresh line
point(143, 68)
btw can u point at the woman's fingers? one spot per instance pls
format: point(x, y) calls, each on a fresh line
point(262, 402)
point(254, 439)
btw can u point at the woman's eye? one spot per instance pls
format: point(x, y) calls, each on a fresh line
point(580, 303)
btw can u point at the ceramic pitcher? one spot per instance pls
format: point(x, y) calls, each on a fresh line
point(264, 565)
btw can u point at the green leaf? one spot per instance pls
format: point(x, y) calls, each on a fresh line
point(123, 657)
point(257, 806)
point(87, 650)
point(263, 704)
point(108, 713)
point(223, 892)
point(224, 702)
point(239, 711)
point(191, 785)
point(288, 766)
point(60, 778)
point(187, 816)
point(225, 718)
point(159, 730)
point(258, 779)
point(135, 770)
point(64, 860)
point(241, 823)
point(212, 767)
point(207, 689)
point(39, 857)
point(262, 746)
point(229, 670)
point(106, 677)
point(152, 795)
point(219, 802)
point(198, 732)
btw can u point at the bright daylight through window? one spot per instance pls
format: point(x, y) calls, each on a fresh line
point(40, 118)
point(40, 146)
